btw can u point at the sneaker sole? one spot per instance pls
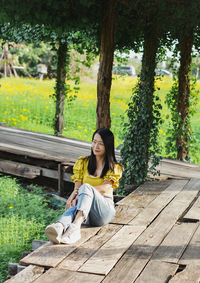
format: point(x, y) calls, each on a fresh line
point(69, 241)
point(52, 235)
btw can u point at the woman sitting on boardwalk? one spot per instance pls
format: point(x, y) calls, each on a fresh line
point(95, 177)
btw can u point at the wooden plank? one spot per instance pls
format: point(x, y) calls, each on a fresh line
point(65, 276)
point(137, 256)
point(157, 272)
point(29, 274)
point(48, 137)
point(182, 169)
point(164, 177)
point(107, 256)
point(191, 274)
point(173, 246)
point(124, 214)
point(180, 163)
point(192, 252)
point(148, 214)
point(50, 173)
point(194, 212)
point(29, 152)
point(19, 169)
point(29, 171)
point(76, 259)
point(144, 194)
point(51, 254)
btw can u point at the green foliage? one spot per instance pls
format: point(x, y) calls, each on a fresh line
point(174, 130)
point(24, 215)
point(140, 136)
point(30, 55)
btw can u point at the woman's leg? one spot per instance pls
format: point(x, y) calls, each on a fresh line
point(55, 231)
point(92, 207)
point(97, 209)
point(68, 217)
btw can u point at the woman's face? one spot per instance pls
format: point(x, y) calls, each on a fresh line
point(98, 147)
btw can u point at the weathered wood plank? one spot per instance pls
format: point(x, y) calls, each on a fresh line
point(148, 214)
point(144, 194)
point(16, 149)
point(171, 249)
point(54, 174)
point(194, 212)
point(29, 134)
point(191, 274)
point(65, 276)
point(30, 171)
point(107, 256)
point(192, 252)
point(137, 256)
point(19, 169)
point(182, 169)
point(180, 163)
point(27, 275)
point(124, 214)
point(157, 272)
point(76, 259)
point(51, 254)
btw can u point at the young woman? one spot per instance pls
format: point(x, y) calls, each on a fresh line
point(95, 177)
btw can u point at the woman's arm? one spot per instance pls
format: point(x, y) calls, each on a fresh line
point(71, 201)
point(104, 186)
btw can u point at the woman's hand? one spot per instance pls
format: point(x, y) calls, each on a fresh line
point(72, 200)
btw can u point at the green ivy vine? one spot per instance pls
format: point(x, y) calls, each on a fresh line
point(140, 151)
point(174, 131)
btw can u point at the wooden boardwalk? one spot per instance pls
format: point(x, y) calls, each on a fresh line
point(154, 238)
point(29, 154)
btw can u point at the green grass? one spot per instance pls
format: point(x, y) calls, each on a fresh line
point(24, 216)
point(28, 104)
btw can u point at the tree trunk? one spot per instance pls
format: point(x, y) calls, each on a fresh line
point(183, 95)
point(105, 66)
point(60, 88)
point(147, 84)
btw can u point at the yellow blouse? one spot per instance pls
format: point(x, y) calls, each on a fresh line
point(81, 174)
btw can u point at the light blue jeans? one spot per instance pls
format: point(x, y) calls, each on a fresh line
point(97, 209)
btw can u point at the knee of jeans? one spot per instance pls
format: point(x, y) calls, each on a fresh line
point(86, 189)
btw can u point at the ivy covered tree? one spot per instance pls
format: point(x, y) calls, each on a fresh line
point(143, 115)
point(55, 25)
point(183, 28)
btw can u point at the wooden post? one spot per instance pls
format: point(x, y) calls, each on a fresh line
point(60, 180)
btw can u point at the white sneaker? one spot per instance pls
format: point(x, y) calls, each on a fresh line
point(72, 235)
point(54, 232)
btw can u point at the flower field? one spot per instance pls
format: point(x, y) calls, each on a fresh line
point(28, 104)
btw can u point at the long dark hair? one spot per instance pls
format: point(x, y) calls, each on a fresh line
point(110, 159)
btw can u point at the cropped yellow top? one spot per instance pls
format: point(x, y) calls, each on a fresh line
point(81, 174)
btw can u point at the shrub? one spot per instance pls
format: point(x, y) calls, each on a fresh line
point(24, 216)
